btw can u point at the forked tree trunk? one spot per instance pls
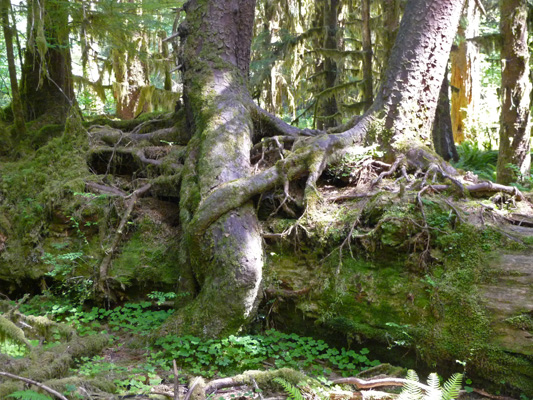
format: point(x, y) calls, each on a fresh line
point(226, 258)
point(442, 126)
point(516, 87)
point(222, 241)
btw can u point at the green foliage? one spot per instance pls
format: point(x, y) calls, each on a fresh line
point(239, 353)
point(480, 162)
point(292, 391)
point(29, 395)
point(134, 318)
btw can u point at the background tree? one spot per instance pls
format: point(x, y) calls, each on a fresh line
point(47, 86)
point(516, 87)
point(16, 104)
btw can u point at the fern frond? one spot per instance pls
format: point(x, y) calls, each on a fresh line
point(29, 395)
point(292, 391)
point(452, 387)
point(410, 390)
point(434, 392)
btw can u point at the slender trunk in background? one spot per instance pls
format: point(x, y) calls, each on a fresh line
point(442, 126)
point(466, 71)
point(16, 104)
point(367, 87)
point(516, 87)
point(391, 21)
point(328, 110)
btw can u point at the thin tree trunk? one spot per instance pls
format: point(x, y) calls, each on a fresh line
point(329, 108)
point(442, 126)
point(16, 104)
point(466, 72)
point(367, 87)
point(516, 87)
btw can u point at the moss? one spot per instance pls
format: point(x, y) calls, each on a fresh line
point(8, 330)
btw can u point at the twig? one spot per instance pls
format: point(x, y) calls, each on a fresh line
point(176, 381)
point(191, 389)
point(32, 382)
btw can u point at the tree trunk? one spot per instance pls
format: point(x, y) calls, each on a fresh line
point(367, 87)
point(391, 20)
point(516, 87)
point(328, 110)
point(416, 67)
point(47, 86)
point(16, 104)
point(466, 72)
point(442, 126)
point(226, 258)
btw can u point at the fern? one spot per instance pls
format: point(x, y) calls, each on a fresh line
point(292, 391)
point(411, 391)
point(29, 395)
point(452, 387)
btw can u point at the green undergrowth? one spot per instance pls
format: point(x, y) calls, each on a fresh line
point(131, 318)
point(274, 349)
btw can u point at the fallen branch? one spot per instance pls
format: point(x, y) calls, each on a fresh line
point(35, 383)
point(369, 384)
point(94, 187)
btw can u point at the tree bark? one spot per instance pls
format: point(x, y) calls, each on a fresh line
point(328, 110)
point(442, 126)
point(367, 87)
point(16, 104)
point(466, 72)
point(516, 87)
point(47, 86)
point(226, 258)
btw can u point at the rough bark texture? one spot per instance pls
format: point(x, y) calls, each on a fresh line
point(442, 126)
point(47, 86)
point(466, 71)
point(225, 257)
point(516, 88)
point(16, 104)
point(416, 66)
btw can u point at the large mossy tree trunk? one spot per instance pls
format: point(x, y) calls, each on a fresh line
point(47, 84)
point(516, 87)
point(226, 258)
